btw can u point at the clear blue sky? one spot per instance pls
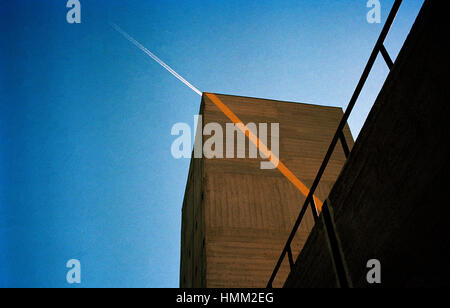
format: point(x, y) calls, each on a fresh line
point(85, 117)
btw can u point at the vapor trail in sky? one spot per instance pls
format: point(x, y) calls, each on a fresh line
point(154, 57)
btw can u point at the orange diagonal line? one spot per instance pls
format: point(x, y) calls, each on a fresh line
point(263, 148)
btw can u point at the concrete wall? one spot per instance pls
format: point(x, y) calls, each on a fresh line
point(390, 200)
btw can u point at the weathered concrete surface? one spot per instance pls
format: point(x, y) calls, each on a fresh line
point(391, 199)
point(237, 217)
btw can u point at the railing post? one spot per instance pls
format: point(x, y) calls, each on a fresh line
point(386, 57)
point(291, 259)
point(334, 244)
point(344, 144)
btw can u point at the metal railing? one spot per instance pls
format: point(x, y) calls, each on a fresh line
point(339, 136)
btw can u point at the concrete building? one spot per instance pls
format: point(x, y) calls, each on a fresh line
point(236, 217)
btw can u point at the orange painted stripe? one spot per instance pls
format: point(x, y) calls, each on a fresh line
point(263, 148)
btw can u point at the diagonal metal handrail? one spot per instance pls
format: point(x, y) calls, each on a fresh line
point(379, 48)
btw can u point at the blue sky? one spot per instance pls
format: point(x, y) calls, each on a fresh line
point(85, 117)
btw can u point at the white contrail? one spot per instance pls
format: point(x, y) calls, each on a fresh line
point(151, 55)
